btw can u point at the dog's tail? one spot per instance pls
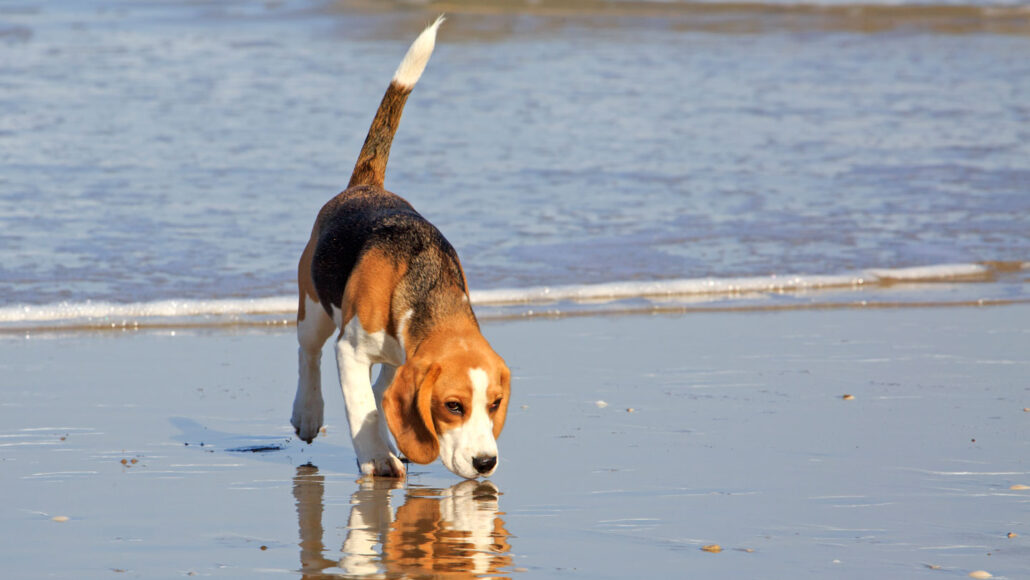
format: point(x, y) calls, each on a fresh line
point(371, 166)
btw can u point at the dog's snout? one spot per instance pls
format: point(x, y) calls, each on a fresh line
point(484, 464)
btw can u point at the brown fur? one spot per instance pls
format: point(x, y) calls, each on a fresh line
point(369, 292)
point(408, 405)
point(371, 166)
point(304, 283)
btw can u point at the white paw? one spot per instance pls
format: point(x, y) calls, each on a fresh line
point(382, 465)
point(307, 423)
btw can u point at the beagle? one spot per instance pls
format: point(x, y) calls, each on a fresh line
point(391, 283)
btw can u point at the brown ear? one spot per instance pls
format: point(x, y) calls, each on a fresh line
point(407, 404)
point(502, 412)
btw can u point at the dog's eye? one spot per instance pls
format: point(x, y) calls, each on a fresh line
point(455, 408)
point(495, 405)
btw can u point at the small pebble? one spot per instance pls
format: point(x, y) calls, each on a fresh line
point(933, 566)
point(713, 548)
point(1012, 534)
point(601, 404)
point(1026, 409)
point(631, 410)
point(60, 519)
point(263, 548)
point(848, 397)
point(1020, 487)
point(125, 461)
point(982, 574)
point(524, 407)
point(323, 430)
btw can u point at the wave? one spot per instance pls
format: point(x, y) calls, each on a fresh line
point(654, 295)
point(730, 286)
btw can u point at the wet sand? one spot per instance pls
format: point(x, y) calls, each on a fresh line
point(169, 453)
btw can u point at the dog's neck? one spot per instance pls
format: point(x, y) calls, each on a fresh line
point(450, 334)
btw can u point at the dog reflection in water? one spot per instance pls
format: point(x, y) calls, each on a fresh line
point(453, 532)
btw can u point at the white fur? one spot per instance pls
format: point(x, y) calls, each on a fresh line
point(308, 405)
point(356, 352)
point(475, 437)
point(402, 325)
point(410, 69)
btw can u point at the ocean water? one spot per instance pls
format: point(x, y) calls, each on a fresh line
point(165, 160)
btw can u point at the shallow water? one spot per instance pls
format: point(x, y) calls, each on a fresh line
point(170, 151)
point(739, 436)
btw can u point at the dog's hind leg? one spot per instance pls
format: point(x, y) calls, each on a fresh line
point(308, 406)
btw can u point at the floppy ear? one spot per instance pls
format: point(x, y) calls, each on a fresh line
point(502, 412)
point(407, 404)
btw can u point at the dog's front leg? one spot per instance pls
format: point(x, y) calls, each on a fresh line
point(355, 366)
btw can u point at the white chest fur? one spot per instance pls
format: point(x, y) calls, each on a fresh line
point(376, 347)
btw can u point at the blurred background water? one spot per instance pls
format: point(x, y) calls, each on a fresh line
point(157, 151)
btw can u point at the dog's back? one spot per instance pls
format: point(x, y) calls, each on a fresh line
point(367, 219)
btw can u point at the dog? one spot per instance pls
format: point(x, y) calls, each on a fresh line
point(393, 286)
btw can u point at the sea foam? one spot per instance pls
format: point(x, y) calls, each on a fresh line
point(282, 308)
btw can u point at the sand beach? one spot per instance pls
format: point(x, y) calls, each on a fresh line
point(632, 443)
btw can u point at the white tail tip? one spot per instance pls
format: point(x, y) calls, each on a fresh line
point(410, 69)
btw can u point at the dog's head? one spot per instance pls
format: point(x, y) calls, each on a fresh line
point(451, 404)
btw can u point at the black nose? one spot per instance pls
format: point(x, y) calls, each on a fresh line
point(484, 464)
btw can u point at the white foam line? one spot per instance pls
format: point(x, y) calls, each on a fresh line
point(664, 288)
point(159, 309)
point(936, 272)
point(117, 314)
point(727, 286)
